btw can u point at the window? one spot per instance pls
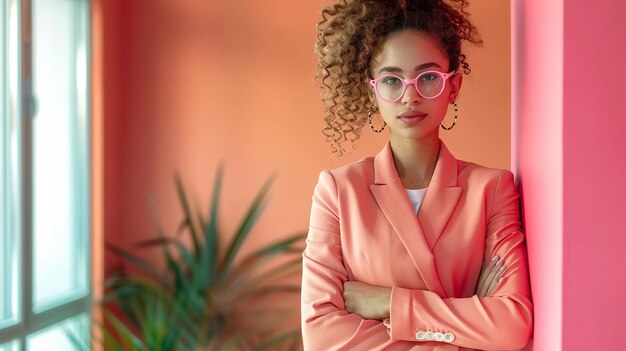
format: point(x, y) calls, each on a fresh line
point(10, 141)
point(12, 346)
point(44, 176)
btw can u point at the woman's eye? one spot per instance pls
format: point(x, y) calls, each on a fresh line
point(391, 80)
point(428, 77)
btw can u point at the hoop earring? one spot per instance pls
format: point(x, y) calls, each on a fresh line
point(369, 118)
point(456, 116)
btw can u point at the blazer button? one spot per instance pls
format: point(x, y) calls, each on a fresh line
point(429, 335)
point(448, 337)
point(420, 335)
point(438, 336)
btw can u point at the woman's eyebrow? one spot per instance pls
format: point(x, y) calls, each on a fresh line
point(394, 69)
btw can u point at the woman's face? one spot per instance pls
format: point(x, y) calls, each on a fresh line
point(406, 54)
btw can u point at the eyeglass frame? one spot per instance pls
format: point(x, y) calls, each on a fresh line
point(407, 82)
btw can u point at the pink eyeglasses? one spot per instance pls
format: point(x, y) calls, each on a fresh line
point(429, 85)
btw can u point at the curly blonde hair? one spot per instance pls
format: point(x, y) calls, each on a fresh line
point(351, 33)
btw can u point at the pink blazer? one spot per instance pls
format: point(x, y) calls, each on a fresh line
point(363, 227)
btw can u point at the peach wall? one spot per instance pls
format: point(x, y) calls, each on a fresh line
point(482, 134)
point(186, 87)
point(189, 83)
point(97, 168)
point(537, 51)
point(594, 284)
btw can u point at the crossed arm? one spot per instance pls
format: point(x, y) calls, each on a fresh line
point(500, 320)
point(374, 302)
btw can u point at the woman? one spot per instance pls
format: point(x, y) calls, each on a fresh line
point(396, 243)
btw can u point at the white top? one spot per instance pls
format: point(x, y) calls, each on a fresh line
point(417, 197)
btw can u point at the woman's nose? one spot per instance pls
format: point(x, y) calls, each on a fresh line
point(411, 95)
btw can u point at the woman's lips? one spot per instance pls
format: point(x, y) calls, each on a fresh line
point(411, 118)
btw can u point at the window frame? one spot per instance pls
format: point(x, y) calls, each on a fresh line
point(30, 322)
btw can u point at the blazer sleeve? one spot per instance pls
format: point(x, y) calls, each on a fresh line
point(502, 321)
point(326, 325)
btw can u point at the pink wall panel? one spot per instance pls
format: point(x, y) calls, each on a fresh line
point(568, 153)
point(537, 154)
point(594, 164)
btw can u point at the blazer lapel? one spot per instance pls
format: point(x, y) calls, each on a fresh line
point(418, 234)
point(441, 197)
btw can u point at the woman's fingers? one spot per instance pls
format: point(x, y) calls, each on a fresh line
point(485, 270)
point(489, 277)
point(496, 280)
point(495, 271)
point(493, 277)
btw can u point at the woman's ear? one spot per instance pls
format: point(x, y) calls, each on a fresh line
point(455, 86)
point(371, 95)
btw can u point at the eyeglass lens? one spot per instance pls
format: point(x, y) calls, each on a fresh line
point(391, 87)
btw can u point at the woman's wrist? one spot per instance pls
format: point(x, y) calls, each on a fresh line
point(386, 302)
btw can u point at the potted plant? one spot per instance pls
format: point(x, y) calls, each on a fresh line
point(206, 297)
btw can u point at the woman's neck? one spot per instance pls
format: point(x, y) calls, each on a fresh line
point(415, 159)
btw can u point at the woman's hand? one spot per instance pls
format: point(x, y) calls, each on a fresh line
point(490, 276)
point(373, 302)
point(368, 301)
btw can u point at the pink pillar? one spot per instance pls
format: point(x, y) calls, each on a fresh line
point(569, 154)
point(537, 154)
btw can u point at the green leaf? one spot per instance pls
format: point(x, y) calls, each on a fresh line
point(255, 210)
point(128, 340)
point(187, 212)
point(181, 284)
point(180, 230)
point(149, 243)
point(131, 294)
point(154, 309)
point(260, 257)
point(280, 246)
point(204, 272)
point(138, 262)
point(183, 252)
point(211, 235)
point(241, 288)
point(110, 343)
